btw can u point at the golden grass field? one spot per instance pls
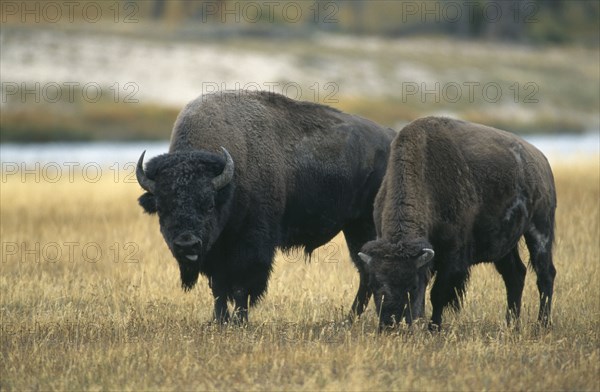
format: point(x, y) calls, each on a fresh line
point(73, 319)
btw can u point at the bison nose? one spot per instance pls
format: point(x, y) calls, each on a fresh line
point(187, 243)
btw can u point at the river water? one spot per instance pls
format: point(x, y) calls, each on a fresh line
point(558, 149)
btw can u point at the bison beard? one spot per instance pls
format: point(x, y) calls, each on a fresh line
point(189, 275)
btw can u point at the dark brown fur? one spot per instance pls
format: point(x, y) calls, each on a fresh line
point(469, 192)
point(303, 173)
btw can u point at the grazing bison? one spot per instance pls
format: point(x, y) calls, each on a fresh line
point(465, 193)
point(249, 172)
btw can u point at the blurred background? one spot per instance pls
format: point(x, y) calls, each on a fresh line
point(103, 80)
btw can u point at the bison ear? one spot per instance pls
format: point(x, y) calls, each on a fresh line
point(148, 203)
point(365, 257)
point(425, 257)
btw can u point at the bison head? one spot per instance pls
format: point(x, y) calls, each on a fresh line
point(191, 192)
point(398, 278)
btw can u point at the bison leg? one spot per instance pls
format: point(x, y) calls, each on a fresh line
point(513, 272)
point(357, 234)
point(221, 313)
point(539, 239)
point(448, 289)
point(249, 287)
point(241, 299)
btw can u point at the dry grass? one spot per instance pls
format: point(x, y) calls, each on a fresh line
point(73, 324)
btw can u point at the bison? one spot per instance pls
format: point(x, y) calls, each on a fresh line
point(456, 194)
point(250, 172)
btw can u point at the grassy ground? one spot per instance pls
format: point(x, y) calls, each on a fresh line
point(118, 320)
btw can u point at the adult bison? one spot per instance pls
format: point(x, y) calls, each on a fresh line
point(465, 193)
point(249, 172)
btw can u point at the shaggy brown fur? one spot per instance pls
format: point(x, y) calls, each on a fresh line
point(469, 192)
point(302, 172)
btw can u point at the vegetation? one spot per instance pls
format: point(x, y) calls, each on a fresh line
point(530, 90)
point(534, 21)
point(541, 56)
point(94, 122)
point(73, 318)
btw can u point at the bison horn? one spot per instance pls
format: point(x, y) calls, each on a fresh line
point(227, 174)
point(146, 183)
point(365, 257)
point(426, 255)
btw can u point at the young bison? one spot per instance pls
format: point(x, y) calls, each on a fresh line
point(465, 193)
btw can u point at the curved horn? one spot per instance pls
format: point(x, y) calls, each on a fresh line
point(146, 183)
point(426, 255)
point(227, 174)
point(365, 257)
